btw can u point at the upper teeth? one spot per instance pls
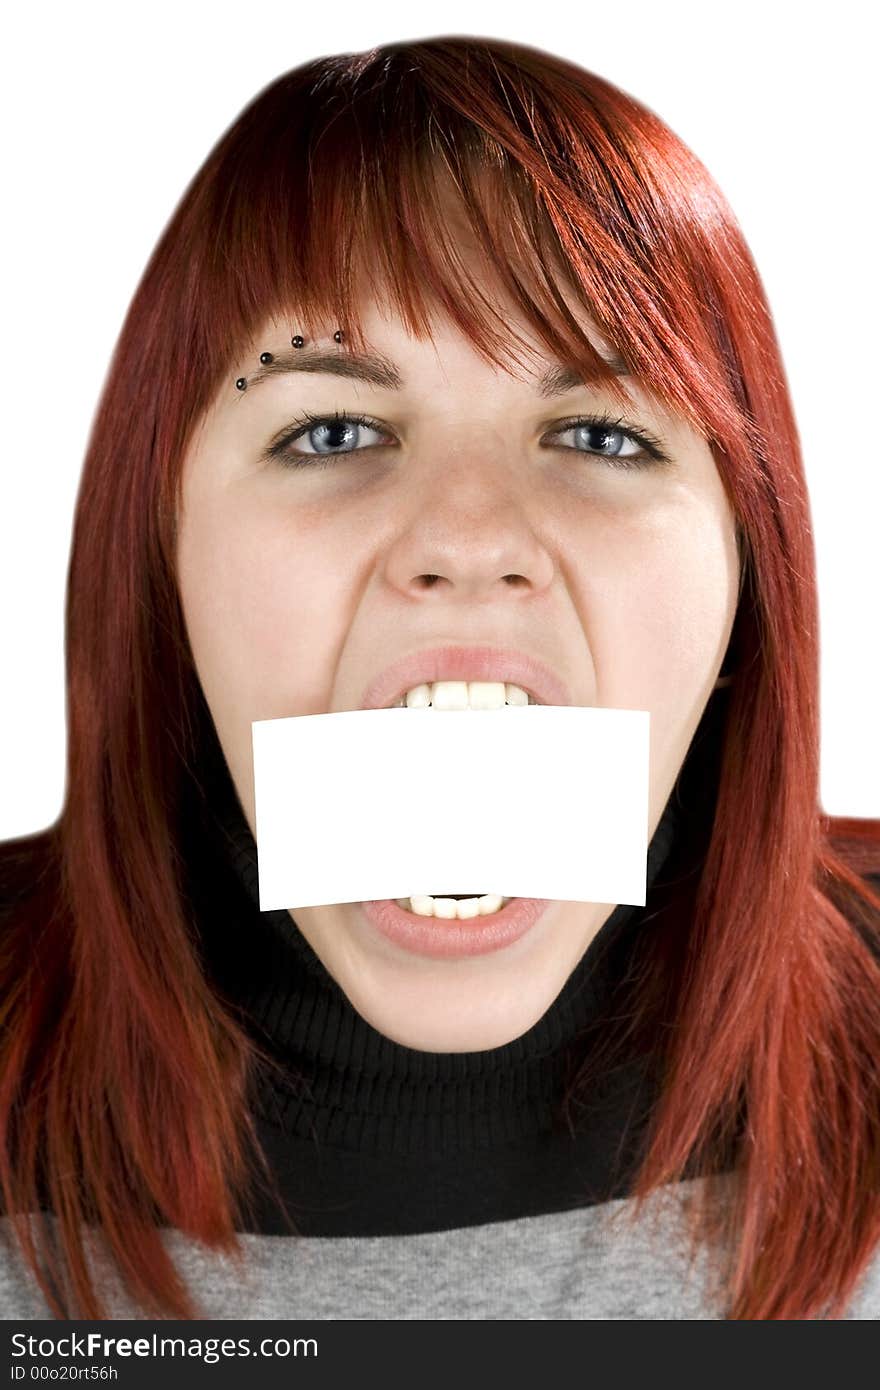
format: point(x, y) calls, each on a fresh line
point(464, 695)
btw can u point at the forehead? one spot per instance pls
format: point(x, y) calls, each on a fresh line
point(498, 295)
point(456, 304)
point(387, 352)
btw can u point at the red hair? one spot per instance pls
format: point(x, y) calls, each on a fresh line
point(124, 1079)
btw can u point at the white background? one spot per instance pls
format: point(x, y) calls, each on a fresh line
point(107, 114)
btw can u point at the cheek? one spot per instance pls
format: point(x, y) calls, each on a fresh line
point(266, 608)
point(659, 600)
point(658, 607)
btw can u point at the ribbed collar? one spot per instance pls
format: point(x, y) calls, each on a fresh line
point(349, 1085)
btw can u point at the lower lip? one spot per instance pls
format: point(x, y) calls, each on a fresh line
point(447, 938)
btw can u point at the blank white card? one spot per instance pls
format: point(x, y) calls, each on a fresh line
point(527, 801)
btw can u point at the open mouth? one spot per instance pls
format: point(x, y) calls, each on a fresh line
point(461, 907)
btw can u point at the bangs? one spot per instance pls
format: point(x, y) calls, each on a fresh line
point(365, 177)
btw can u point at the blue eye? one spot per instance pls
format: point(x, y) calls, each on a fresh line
point(622, 447)
point(327, 436)
point(324, 437)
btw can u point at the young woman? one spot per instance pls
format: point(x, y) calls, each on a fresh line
point(452, 364)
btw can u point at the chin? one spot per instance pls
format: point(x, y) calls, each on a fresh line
point(466, 1029)
point(464, 1004)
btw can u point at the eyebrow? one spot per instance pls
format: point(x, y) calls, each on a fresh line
point(380, 371)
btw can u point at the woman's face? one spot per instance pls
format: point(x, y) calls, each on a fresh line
point(300, 585)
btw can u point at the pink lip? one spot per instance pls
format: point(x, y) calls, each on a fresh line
point(434, 936)
point(466, 664)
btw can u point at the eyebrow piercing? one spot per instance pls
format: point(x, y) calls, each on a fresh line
point(296, 341)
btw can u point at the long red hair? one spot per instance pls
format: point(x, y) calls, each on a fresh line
point(124, 1079)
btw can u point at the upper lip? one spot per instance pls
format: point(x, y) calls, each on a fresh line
point(466, 664)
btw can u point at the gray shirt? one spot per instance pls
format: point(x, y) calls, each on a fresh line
point(588, 1263)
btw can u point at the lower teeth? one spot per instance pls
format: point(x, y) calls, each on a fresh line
point(423, 905)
